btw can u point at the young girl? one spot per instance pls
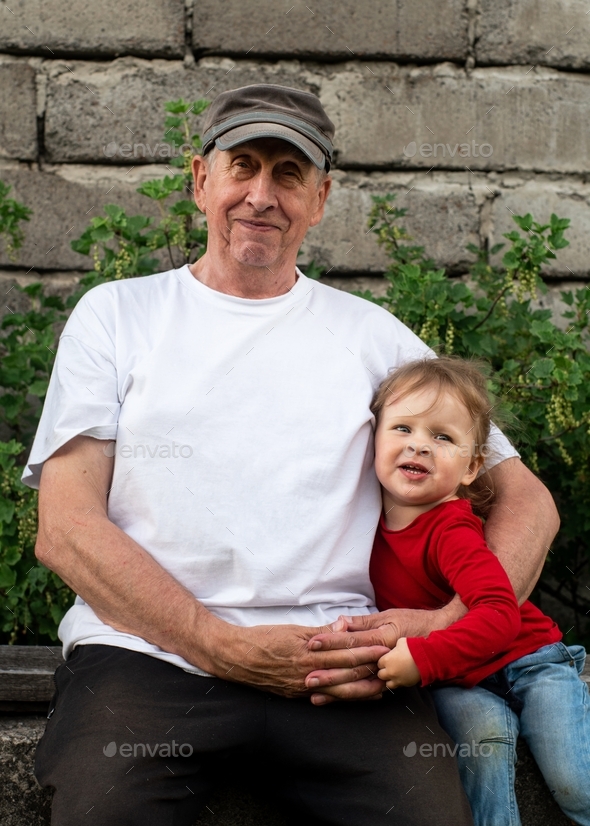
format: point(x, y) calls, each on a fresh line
point(501, 671)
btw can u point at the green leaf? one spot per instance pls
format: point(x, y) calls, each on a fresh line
point(7, 576)
point(559, 223)
point(114, 212)
point(6, 509)
point(39, 387)
point(542, 368)
point(525, 222)
point(183, 208)
point(510, 260)
point(102, 234)
point(173, 123)
point(177, 107)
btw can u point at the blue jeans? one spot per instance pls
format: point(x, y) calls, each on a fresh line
point(554, 721)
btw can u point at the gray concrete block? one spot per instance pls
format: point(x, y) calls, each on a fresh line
point(82, 27)
point(447, 211)
point(444, 117)
point(386, 116)
point(541, 196)
point(333, 29)
point(114, 112)
point(443, 216)
point(21, 799)
point(63, 200)
point(18, 110)
point(545, 32)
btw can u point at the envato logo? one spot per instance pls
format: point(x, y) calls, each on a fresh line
point(462, 150)
point(140, 151)
point(472, 749)
point(145, 451)
point(144, 749)
point(412, 450)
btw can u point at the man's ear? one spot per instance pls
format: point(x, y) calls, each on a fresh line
point(199, 167)
point(323, 192)
point(471, 470)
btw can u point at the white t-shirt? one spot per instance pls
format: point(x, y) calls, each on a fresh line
point(244, 441)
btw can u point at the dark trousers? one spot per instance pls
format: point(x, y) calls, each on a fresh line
point(134, 741)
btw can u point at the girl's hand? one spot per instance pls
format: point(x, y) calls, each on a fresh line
point(398, 668)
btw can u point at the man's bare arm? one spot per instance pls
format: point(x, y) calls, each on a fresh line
point(130, 591)
point(520, 527)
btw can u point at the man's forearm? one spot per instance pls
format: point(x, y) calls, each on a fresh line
point(521, 525)
point(127, 588)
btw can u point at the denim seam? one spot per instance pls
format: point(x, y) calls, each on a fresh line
point(514, 811)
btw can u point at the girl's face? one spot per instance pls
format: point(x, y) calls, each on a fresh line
point(424, 449)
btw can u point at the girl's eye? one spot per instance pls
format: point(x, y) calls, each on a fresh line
point(444, 437)
point(402, 428)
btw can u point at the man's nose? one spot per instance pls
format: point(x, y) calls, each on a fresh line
point(262, 192)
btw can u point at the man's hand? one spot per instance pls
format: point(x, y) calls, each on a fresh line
point(381, 629)
point(278, 659)
point(398, 668)
point(386, 627)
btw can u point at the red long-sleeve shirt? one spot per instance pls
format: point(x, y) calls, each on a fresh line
point(443, 552)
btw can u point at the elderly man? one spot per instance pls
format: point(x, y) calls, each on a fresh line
point(215, 542)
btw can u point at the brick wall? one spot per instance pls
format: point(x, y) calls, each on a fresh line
point(407, 82)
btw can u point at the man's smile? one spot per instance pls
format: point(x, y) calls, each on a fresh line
point(255, 226)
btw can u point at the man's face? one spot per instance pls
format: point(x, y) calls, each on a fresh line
point(260, 198)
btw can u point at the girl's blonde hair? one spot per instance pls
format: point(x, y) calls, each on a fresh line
point(467, 381)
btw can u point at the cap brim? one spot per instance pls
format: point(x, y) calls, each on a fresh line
point(251, 131)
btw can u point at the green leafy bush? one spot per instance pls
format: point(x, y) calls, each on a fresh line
point(34, 599)
point(12, 213)
point(541, 371)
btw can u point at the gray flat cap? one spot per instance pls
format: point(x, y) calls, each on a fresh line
point(268, 111)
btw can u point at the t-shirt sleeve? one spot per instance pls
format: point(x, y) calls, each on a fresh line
point(499, 449)
point(492, 622)
point(83, 393)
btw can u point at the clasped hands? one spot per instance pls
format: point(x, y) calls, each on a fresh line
point(394, 668)
point(357, 658)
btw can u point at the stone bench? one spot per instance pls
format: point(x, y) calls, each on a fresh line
point(26, 686)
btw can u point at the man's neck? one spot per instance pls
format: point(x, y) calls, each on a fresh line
point(244, 281)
